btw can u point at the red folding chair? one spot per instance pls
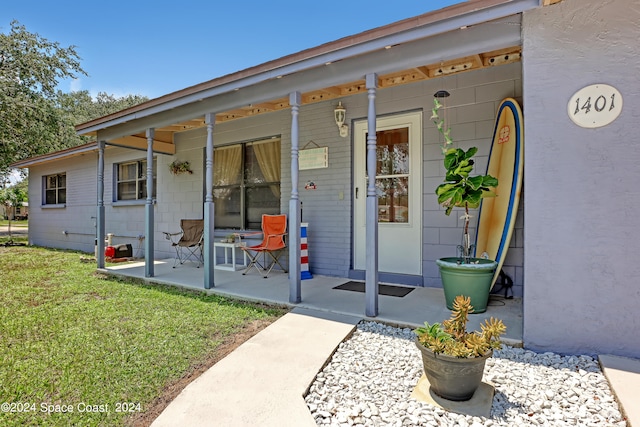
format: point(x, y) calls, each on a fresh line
point(274, 230)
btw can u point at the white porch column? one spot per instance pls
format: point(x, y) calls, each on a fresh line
point(294, 205)
point(210, 119)
point(371, 273)
point(100, 221)
point(149, 230)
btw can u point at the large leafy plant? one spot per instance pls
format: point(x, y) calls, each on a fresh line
point(451, 338)
point(459, 188)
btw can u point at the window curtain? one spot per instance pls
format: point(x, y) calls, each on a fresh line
point(228, 161)
point(268, 156)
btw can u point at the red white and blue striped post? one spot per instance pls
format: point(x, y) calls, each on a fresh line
point(304, 252)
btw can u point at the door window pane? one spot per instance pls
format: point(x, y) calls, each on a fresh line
point(392, 152)
point(393, 199)
point(392, 175)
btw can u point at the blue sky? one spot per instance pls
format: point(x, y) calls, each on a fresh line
point(154, 48)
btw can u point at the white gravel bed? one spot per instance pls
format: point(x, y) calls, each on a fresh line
point(369, 380)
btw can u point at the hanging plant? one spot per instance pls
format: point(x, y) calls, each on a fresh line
point(178, 167)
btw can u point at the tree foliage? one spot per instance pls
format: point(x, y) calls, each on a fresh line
point(80, 107)
point(30, 69)
point(35, 117)
point(11, 197)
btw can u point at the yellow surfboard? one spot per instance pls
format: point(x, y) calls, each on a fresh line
point(497, 215)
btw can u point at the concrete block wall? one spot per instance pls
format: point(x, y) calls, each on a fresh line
point(581, 207)
point(125, 220)
point(327, 209)
point(48, 224)
point(77, 217)
point(181, 196)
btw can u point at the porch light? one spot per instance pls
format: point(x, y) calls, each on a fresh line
point(340, 115)
point(441, 94)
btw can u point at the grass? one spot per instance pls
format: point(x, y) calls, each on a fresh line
point(16, 238)
point(70, 336)
point(5, 222)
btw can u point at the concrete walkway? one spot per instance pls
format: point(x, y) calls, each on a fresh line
point(262, 382)
point(624, 378)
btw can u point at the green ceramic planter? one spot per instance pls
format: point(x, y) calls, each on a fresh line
point(472, 280)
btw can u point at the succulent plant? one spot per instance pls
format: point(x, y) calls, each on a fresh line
point(452, 338)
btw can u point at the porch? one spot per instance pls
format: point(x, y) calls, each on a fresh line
point(318, 293)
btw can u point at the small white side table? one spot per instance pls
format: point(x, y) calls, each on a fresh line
point(233, 266)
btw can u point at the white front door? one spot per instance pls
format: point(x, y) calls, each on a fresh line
point(398, 185)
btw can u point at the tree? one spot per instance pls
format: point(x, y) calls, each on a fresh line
point(80, 107)
point(30, 69)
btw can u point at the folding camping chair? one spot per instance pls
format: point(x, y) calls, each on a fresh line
point(274, 230)
point(188, 242)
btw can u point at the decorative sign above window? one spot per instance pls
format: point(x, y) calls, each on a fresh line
point(313, 158)
point(595, 106)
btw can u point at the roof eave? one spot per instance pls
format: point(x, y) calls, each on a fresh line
point(57, 155)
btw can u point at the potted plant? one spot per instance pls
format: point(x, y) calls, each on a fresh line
point(230, 238)
point(464, 274)
point(454, 359)
point(177, 167)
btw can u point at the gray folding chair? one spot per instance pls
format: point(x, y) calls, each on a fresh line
point(188, 242)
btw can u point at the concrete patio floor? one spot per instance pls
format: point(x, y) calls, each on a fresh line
point(412, 310)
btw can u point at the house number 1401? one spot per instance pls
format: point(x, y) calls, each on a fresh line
point(595, 106)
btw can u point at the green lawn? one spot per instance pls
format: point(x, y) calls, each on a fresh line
point(72, 339)
point(16, 238)
point(4, 222)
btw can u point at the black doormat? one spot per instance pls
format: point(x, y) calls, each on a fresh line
point(389, 290)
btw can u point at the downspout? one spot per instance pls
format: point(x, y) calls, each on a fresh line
point(371, 273)
point(294, 205)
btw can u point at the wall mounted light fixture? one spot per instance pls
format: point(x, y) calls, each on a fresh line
point(340, 115)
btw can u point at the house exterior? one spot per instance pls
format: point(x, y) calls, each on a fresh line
point(265, 140)
point(15, 213)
